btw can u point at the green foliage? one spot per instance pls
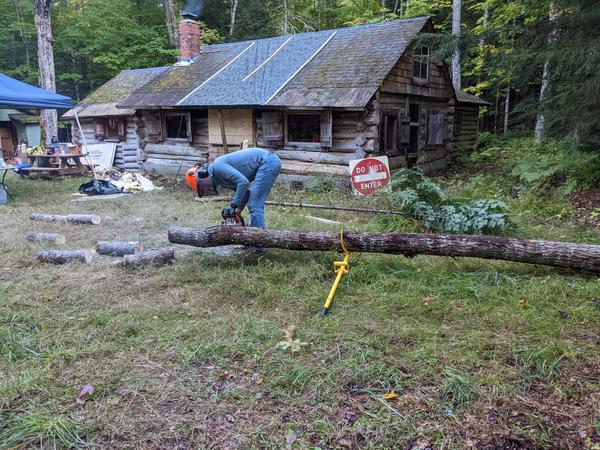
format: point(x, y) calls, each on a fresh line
point(41, 430)
point(457, 387)
point(424, 200)
point(543, 361)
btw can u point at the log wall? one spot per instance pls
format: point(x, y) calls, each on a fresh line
point(172, 158)
point(466, 127)
point(128, 153)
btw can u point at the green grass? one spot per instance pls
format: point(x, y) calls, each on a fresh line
point(190, 354)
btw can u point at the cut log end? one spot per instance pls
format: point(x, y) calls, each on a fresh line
point(65, 256)
point(155, 256)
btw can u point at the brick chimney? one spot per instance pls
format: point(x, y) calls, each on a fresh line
point(189, 40)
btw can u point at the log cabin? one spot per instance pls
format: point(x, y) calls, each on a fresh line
point(102, 122)
point(317, 99)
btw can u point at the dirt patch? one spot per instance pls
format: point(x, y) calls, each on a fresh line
point(586, 205)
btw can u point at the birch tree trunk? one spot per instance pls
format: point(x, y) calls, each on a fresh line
point(540, 122)
point(484, 24)
point(47, 80)
point(234, 6)
point(22, 34)
point(285, 17)
point(506, 109)
point(171, 24)
point(456, 19)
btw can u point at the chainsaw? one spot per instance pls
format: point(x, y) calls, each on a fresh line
point(232, 217)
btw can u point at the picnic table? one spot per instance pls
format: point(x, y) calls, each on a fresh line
point(69, 164)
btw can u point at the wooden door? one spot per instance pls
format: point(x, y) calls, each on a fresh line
point(6, 142)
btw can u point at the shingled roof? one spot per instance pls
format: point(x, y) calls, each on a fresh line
point(103, 101)
point(334, 68)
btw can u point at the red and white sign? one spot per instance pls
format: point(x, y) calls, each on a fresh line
point(370, 175)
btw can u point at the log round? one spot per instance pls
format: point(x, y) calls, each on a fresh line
point(149, 257)
point(118, 248)
point(87, 219)
point(47, 237)
point(557, 254)
point(65, 256)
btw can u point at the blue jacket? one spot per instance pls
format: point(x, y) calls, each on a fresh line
point(237, 170)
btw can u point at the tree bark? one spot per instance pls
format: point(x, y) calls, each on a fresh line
point(118, 248)
point(47, 80)
point(506, 109)
point(88, 219)
point(285, 17)
point(46, 237)
point(65, 256)
point(234, 6)
point(558, 254)
point(149, 257)
point(540, 122)
point(172, 28)
point(456, 20)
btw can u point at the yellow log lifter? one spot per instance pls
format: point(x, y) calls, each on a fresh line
point(340, 268)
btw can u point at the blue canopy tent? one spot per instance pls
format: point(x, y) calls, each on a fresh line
point(16, 93)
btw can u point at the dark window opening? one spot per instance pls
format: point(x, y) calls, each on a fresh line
point(390, 133)
point(304, 128)
point(176, 126)
point(413, 145)
point(421, 63)
point(111, 130)
point(414, 113)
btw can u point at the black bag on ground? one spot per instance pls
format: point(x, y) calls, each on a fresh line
point(100, 187)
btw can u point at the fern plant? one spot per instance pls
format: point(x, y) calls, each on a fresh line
point(424, 200)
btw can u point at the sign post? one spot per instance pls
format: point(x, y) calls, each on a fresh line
point(370, 175)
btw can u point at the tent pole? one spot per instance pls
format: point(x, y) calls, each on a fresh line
point(84, 143)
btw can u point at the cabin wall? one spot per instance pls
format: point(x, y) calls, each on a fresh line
point(169, 157)
point(127, 155)
point(466, 127)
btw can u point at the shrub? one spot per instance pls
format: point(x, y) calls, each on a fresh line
point(422, 199)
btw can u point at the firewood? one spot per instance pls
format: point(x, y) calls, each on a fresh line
point(88, 219)
point(65, 256)
point(118, 248)
point(558, 254)
point(46, 237)
point(149, 257)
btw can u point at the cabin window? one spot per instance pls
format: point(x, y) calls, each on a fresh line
point(435, 128)
point(421, 63)
point(390, 133)
point(177, 126)
point(304, 128)
point(110, 129)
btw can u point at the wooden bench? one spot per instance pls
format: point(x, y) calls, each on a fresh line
point(58, 165)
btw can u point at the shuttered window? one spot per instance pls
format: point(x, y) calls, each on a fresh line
point(112, 129)
point(435, 128)
point(272, 128)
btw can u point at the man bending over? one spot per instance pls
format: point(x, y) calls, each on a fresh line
point(237, 170)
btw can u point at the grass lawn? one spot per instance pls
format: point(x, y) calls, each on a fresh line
point(229, 352)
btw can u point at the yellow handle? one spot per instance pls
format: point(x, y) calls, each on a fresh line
point(340, 268)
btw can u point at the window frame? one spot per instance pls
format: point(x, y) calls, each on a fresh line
point(102, 123)
point(188, 120)
point(418, 60)
point(287, 141)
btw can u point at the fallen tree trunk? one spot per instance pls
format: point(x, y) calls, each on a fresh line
point(335, 208)
point(65, 256)
point(558, 254)
point(88, 219)
point(46, 237)
point(118, 248)
point(149, 257)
